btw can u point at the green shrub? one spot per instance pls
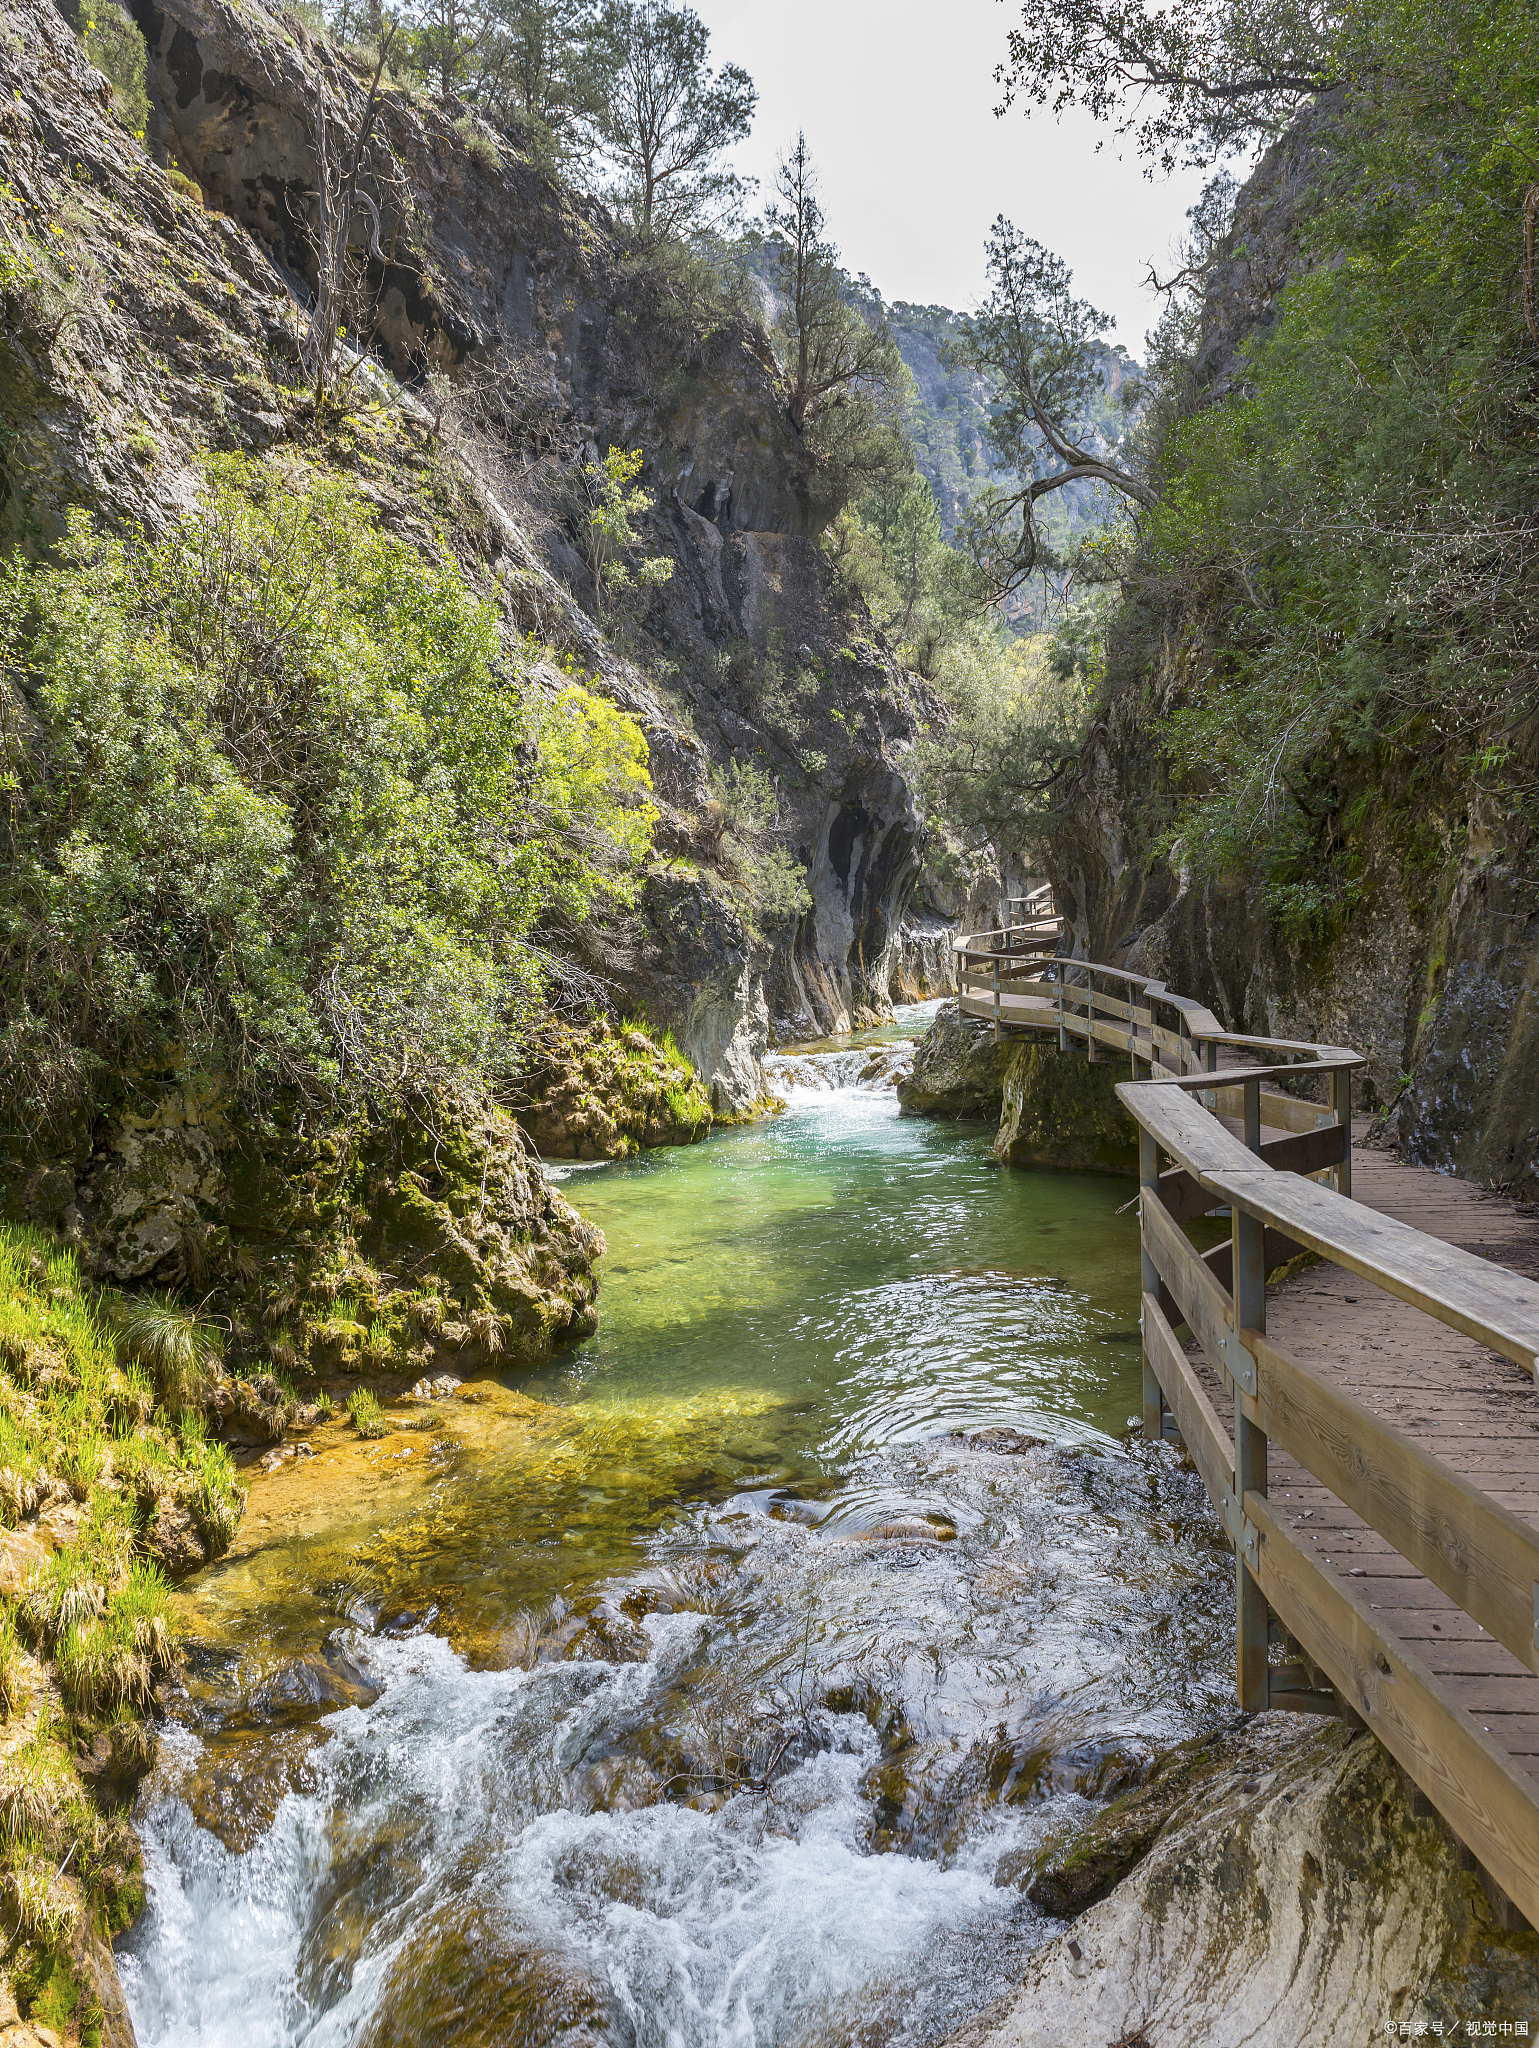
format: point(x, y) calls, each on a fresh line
point(279, 810)
point(117, 49)
point(365, 1410)
point(775, 881)
point(480, 147)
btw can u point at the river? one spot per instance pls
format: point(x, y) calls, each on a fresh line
point(715, 1685)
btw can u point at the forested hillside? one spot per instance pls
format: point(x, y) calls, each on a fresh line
point(1302, 786)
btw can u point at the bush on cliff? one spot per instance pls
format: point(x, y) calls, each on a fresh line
point(281, 809)
point(1348, 529)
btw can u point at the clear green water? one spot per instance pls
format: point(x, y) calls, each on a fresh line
point(715, 1686)
point(775, 1301)
point(858, 1278)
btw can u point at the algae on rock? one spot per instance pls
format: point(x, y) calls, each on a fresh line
point(1060, 1111)
point(599, 1092)
point(1291, 1895)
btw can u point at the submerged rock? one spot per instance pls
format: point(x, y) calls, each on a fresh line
point(959, 1069)
point(1288, 1894)
point(469, 1978)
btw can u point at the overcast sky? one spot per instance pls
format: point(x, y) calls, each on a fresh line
point(897, 100)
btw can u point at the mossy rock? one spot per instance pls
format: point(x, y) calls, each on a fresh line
point(959, 1069)
point(1060, 1111)
point(1070, 1872)
point(594, 1091)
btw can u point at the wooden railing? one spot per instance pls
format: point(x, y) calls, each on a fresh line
point(1204, 1100)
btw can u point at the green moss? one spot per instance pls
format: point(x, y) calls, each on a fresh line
point(1060, 1111)
point(603, 1092)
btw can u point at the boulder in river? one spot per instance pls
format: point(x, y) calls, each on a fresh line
point(1289, 1893)
point(959, 1069)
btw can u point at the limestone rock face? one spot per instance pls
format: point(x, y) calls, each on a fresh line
point(492, 263)
point(958, 1069)
point(1060, 1111)
point(1294, 1898)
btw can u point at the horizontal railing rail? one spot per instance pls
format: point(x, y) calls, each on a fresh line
point(1234, 1123)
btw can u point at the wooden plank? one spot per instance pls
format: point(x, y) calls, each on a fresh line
point(1489, 1802)
point(1205, 1440)
point(1486, 1301)
point(1304, 1152)
point(1276, 1250)
point(1200, 1301)
point(1480, 1555)
point(1113, 1006)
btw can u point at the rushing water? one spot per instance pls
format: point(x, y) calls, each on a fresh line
point(717, 1684)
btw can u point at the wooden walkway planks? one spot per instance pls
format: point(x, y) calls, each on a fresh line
point(1471, 1408)
point(1371, 1364)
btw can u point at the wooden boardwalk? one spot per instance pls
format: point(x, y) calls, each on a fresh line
point(1468, 1407)
point(1380, 1475)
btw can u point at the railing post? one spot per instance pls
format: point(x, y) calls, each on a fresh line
point(1249, 1452)
point(1341, 1105)
point(1063, 1029)
point(1090, 1017)
point(996, 996)
point(1253, 1124)
point(1149, 1191)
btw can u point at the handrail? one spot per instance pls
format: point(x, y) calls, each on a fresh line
point(1205, 1121)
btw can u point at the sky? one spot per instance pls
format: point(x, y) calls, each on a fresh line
point(897, 98)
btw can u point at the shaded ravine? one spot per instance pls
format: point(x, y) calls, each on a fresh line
point(716, 1684)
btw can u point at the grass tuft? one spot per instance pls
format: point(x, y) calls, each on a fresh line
point(368, 1419)
point(176, 1345)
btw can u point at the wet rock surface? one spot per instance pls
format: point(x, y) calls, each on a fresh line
point(959, 1069)
point(1288, 1895)
point(1059, 1111)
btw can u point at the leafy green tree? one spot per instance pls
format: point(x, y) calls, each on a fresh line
point(1041, 348)
point(540, 70)
point(667, 119)
point(1190, 80)
point(1346, 533)
point(615, 501)
point(279, 807)
point(846, 382)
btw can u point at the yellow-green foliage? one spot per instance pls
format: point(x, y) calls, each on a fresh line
point(78, 1421)
point(365, 1411)
point(115, 46)
point(282, 803)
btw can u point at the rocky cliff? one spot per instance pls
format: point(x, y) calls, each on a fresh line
point(513, 288)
